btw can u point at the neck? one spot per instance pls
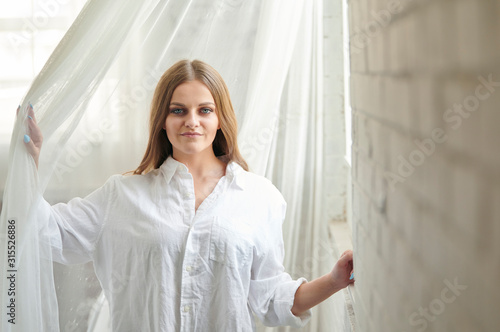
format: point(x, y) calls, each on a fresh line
point(202, 164)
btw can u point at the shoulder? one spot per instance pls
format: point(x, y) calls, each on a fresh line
point(260, 187)
point(122, 182)
point(265, 206)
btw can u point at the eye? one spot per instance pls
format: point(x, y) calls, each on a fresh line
point(206, 110)
point(176, 111)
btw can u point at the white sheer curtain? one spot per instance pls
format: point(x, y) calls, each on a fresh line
point(92, 102)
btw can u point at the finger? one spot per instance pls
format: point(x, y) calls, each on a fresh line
point(347, 256)
point(31, 113)
point(17, 111)
point(30, 145)
point(34, 130)
point(349, 251)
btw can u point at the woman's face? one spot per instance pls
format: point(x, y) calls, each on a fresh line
point(191, 122)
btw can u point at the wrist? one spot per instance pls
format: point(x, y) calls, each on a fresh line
point(335, 283)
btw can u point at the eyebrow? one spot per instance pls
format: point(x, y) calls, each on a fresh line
point(182, 105)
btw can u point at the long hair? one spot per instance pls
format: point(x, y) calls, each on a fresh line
point(225, 142)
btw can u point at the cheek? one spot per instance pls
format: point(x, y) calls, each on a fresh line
point(214, 127)
point(216, 123)
point(170, 123)
point(169, 127)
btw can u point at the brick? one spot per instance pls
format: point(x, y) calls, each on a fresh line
point(379, 145)
point(352, 14)
point(401, 146)
point(435, 183)
point(363, 133)
point(377, 314)
point(358, 59)
point(477, 30)
point(417, 235)
point(364, 12)
point(335, 185)
point(377, 107)
point(440, 46)
point(426, 90)
point(462, 116)
point(336, 207)
point(489, 116)
point(377, 49)
point(400, 259)
point(366, 177)
point(465, 205)
point(398, 47)
point(397, 101)
point(493, 217)
point(355, 81)
point(417, 47)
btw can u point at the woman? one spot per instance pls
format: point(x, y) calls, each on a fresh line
point(192, 241)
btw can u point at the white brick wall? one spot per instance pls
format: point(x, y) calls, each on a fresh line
point(334, 165)
point(426, 214)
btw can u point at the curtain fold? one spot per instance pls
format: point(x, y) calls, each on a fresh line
point(91, 101)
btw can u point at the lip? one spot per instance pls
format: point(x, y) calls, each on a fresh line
point(191, 134)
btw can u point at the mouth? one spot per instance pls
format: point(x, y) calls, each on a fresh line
point(190, 134)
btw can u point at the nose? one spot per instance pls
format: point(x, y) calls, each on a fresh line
point(192, 120)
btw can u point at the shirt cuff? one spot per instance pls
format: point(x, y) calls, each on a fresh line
point(283, 306)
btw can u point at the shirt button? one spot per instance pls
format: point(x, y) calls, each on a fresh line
point(187, 195)
point(188, 268)
point(186, 308)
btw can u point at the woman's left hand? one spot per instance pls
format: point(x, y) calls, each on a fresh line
point(341, 273)
point(311, 293)
point(34, 138)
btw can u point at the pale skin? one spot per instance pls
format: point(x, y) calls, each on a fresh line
point(191, 126)
point(192, 111)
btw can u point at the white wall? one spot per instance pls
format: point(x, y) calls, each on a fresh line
point(334, 148)
point(426, 213)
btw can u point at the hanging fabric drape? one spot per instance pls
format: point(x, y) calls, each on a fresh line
point(91, 101)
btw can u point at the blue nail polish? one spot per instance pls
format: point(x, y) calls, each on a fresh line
point(29, 117)
point(352, 276)
point(31, 105)
point(27, 139)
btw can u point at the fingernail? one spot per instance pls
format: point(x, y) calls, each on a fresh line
point(27, 139)
point(29, 117)
point(352, 276)
point(31, 105)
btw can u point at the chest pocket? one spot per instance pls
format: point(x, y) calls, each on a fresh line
point(230, 243)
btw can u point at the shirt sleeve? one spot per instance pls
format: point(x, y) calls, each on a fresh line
point(72, 229)
point(272, 290)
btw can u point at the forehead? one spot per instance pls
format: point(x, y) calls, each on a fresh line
point(192, 90)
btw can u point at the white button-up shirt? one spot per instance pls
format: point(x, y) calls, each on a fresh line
point(165, 267)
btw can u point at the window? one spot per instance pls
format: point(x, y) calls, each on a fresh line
point(29, 32)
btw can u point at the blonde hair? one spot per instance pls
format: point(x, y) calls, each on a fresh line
point(225, 142)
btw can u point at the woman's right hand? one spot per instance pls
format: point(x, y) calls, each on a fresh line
point(34, 138)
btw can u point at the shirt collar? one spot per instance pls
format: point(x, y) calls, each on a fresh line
point(234, 171)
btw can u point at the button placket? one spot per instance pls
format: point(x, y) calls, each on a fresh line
point(186, 189)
